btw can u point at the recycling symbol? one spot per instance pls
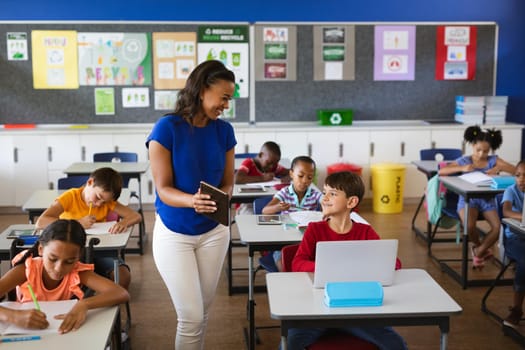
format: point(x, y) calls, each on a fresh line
point(336, 118)
point(385, 199)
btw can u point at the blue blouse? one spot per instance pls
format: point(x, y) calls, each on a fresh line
point(197, 154)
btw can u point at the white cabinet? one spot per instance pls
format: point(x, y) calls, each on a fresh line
point(252, 140)
point(7, 190)
point(62, 151)
point(136, 143)
point(448, 138)
point(329, 147)
point(292, 144)
point(30, 166)
point(95, 143)
point(510, 149)
point(397, 145)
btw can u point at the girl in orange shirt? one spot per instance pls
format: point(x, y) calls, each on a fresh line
point(53, 269)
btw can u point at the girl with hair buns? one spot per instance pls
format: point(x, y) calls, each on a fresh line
point(482, 142)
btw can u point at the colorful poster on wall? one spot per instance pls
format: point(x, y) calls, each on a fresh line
point(174, 57)
point(54, 56)
point(114, 59)
point(17, 46)
point(228, 44)
point(456, 52)
point(105, 101)
point(394, 52)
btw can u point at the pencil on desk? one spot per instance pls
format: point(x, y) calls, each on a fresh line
point(33, 296)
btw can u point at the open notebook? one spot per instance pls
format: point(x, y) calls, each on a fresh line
point(355, 261)
point(50, 308)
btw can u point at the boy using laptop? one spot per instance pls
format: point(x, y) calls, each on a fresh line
point(341, 194)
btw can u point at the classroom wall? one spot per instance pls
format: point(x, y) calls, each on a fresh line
point(509, 14)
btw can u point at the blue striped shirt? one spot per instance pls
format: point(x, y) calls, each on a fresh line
point(310, 201)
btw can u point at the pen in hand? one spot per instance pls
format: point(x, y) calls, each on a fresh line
point(33, 296)
point(90, 206)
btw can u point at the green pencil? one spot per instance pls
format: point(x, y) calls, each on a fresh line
point(33, 296)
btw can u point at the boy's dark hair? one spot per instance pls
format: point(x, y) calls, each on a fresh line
point(70, 231)
point(350, 183)
point(272, 147)
point(304, 159)
point(474, 134)
point(109, 180)
point(521, 162)
point(203, 76)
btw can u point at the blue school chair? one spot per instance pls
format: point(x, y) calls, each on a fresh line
point(245, 155)
point(434, 154)
point(65, 183)
point(266, 261)
point(335, 340)
point(127, 157)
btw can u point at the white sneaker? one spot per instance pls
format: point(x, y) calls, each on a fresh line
point(123, 336)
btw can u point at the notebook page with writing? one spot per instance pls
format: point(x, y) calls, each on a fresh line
point(100, 228)
point(50, 308)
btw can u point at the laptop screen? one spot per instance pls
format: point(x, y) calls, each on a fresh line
point(349, 261)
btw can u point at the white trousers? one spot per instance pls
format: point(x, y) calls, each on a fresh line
point(190, 267)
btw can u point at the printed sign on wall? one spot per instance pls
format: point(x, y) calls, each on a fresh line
point(456, 52)
point(394, 52)
point(228, 44)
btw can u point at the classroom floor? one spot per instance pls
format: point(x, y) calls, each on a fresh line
point(154, 319)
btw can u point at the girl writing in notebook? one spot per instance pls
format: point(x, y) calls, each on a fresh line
point(52, 269)
point(483, 143)
point(512, 203)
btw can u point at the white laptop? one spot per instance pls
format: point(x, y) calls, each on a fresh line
point(349, 261)
point(522, 222)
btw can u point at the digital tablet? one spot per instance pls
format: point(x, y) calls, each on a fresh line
point(269, 219)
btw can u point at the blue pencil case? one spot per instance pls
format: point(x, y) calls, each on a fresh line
point(502, 182)
point(347, 294)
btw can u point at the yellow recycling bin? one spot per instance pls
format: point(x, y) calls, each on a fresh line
point(388, 181)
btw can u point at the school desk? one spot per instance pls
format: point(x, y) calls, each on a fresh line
point(469, 191)
point(93, 334)
point(40, 200)
point(239, 197)
point(414, 299)
point(266, 237)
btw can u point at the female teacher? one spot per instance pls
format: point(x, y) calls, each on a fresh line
point(185, 147)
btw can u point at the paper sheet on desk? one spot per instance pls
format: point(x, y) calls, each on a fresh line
point(100, 228)
point(304, 217)
point(50, 308)
point(266, 183)
point(477, 178)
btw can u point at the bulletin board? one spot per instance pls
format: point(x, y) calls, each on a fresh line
point(295, 100)
point(423, 98)
point(21, 103)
